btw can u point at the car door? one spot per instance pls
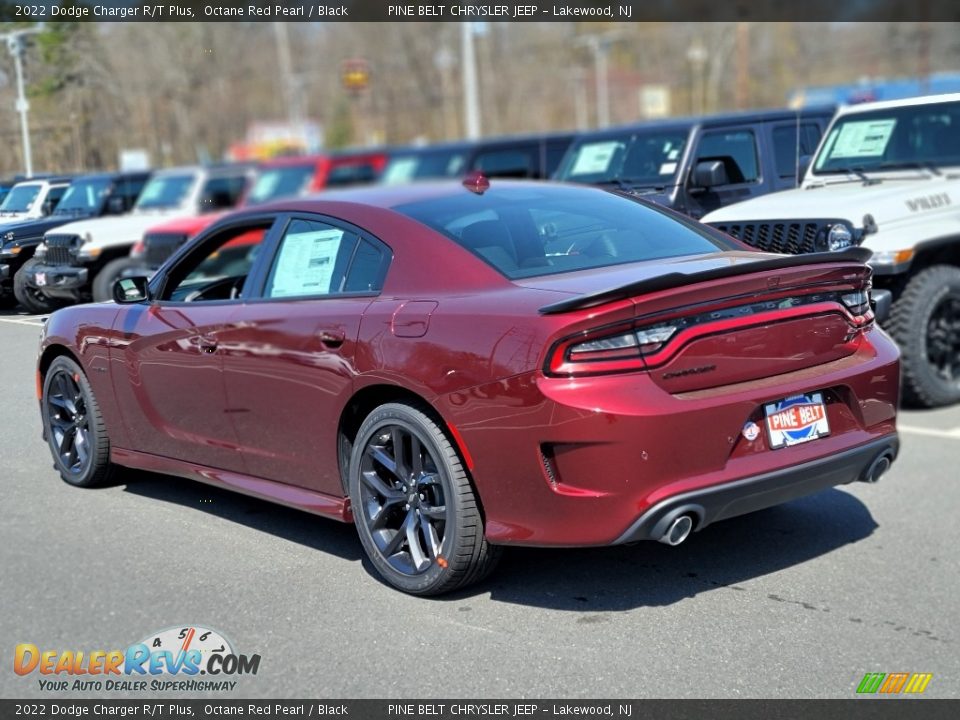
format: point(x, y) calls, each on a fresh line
point(169, 382)
point(737, 148)
point(290, 352)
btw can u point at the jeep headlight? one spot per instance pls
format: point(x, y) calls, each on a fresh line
point(88, 252)
point(839, 238)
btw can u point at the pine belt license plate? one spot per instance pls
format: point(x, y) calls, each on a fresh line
point(40, 278)
point(797, 419)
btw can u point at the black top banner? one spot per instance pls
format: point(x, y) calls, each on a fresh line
point(479, 11)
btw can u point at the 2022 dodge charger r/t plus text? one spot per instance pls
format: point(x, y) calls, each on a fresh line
point(459, 367)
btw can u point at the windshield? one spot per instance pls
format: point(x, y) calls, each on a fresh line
point(165, 191)
point(83, 196)
point(424, 165)
point(20, 198)
point(894, 139)
point(637, 158)
point(528, 232)
point(278, 182)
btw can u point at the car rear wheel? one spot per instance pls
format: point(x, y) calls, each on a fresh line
point(414, 506)
point(31, 298)
point(74, 426)
point(925, 322)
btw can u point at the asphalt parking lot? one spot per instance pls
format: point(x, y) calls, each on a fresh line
point(796, 601)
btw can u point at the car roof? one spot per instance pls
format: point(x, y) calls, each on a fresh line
point(706, 121)
point(905, 102)
point(120, 175)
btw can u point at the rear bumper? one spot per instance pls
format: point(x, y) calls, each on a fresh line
point(710, 504)
point(65, 281)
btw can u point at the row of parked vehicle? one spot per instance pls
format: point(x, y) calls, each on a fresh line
point(878, 180)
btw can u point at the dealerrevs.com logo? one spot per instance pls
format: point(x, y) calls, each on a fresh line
point(173, 659)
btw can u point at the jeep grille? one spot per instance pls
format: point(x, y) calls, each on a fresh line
point(61, 249)
point(791, 238)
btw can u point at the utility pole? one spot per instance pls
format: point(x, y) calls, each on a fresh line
point(291, 92)
point(471, 91)
point(599, 46)
point(16, 45)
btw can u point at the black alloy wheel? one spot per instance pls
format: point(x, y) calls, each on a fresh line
point(414, 505)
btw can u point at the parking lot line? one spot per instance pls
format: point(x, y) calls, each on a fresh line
point(952, 434)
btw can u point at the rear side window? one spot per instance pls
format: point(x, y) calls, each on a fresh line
point(541, 231)
point(316, 259)
point(737, 149)
point(785, 149)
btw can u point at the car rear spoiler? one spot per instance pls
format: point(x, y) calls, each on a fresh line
point(673, 280)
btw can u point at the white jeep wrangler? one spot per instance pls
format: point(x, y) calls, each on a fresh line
point(886, 176)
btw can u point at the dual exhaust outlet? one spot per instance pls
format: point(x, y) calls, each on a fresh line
point(679, 528)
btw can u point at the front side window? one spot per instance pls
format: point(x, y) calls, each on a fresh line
point(541, 231)
point(279, 182)
point(893, 139)
point(222, 193)
point(737, 149)
point(218, 268)
point(792, 142)
point(316, 259)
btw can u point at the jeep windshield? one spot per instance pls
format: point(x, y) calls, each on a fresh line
point(425, 165)
point(20, 199)
point(915, 137)
point(83, 197)
point(637, 158)
point(165, 192)
point(278, 182)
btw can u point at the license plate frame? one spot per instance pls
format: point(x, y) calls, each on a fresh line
point(795, 420)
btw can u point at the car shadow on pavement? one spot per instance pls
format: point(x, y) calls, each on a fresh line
point(597, 580)
point(319, 533)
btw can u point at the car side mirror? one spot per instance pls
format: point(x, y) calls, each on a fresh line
point(710, 173)
point(116, 205)
point(131, 290)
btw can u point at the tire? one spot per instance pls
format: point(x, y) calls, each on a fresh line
point(925, 322)
point(415, 510)
point(109, 274)
point(71, 414)
point(31, 298)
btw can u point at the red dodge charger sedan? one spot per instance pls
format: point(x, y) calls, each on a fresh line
point(459, 367)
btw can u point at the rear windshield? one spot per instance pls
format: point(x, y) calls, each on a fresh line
point(637, 158)
point(532, 231)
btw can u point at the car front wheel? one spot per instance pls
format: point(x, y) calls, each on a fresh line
point(74, 426)
point(414, 506)
point(925, 322)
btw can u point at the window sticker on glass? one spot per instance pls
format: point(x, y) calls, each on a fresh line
point(673, 154)
point(594, 157)
point(863, 139)
point(305, 263)
point(668, 168)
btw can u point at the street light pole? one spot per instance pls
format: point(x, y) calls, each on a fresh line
point(471, 91)
point(15, 44)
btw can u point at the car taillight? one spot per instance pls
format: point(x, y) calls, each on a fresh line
point(858, 303)
point(610, 353)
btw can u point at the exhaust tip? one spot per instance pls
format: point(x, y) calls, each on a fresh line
point(878, 467)
point(677, 531)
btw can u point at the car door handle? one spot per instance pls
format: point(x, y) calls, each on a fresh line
point(332, 338)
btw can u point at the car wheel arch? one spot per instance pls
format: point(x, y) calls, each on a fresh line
point(51, 353)
point(367, 399)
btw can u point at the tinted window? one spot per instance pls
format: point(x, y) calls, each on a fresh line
point(513, 162)
point(342, 175)
point(525, 232)
point(366, 269)
point(220, 193)
point(423, 165)
point(785, 150)
point(737, 149)
point(54, 196)
point(130, 189)
point(217, 269)
point(892, 139)
point(639, 157)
